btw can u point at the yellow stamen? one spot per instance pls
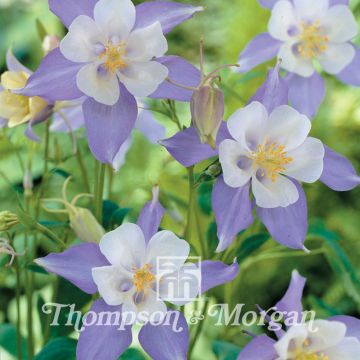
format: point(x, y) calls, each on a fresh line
point(271, 158)
point(304, 355)
point(114, 55)
point(143, 278)
point(313, 41)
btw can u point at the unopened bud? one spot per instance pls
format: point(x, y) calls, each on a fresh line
point(207, 110)
point(7, 220)
point(85, 225)
point(50, 43)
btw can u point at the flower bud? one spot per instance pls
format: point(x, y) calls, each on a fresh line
point(7, 220)
point(207, 110)
point(85, 225)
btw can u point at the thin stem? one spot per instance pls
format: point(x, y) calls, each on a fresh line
point(180, 86)
point(187, 232)
point(82, 168)
point(198, 330)
point(99, 190)
point(202, 58)
point(18, 319)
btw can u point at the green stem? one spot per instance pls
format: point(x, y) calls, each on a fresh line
point(29, 297)
point(187, 232)
point(99, 190)
point(18, 319)
point(198, 330)
point(82, 169)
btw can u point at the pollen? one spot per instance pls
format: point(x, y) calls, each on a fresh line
point(143, 278)
point(271, 159)
point(313, 41)
point(313, 356)
point(114, 57)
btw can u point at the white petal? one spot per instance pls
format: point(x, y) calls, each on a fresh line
point(124, 246)
point(79, 44)
point(182, 286)
point(120, 157)
point(99, 84)
point(272, 194)
point(340, 24)
point(311, 10)
point(246, 125)
point(115, 18)
point(143, 78)
point(283, 19)
point(144, 306)
point(237, 168)
point(337, 57)
point(292, 62)
point(287, 127)
point(146, 43)
point(327, 334)
point(348, 349)
point(168, 246)
point(296, 335)
point(308, 161)
point(114, 283)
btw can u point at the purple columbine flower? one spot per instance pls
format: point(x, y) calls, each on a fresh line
point(112, 53)
point(122, 268)
point(257, 153)
point(337, 338)
point(300, 33)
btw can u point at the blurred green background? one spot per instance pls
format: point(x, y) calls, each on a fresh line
point(226, 26)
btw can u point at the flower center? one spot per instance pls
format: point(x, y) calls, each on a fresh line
point(307, 356)
point(313, 41)
point(271, 158)
point(114, 57)
point(143, 278)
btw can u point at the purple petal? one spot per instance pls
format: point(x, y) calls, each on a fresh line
point(288, 226)
point(274, 92)
point(108, 127)
point(55, 79)
point(292, 298)
point(352, 325)
point(75, 264)
point(338, 2)
point(181, 72)
point(41, 117)
point(338, 174)
point(169, 14)
point(69, 10)
point(103, 341)
point(120, 157)
point(268, 3)
point(3, 123)
point(74, 119)
point(13, 64)
point(162, 342)
point(151, 216)
point(351, 74)
point(215, 273)
point(147, 124)
point(306, 94)
point(260, 347)
point(186, 147)
point(233, 211)
point(261, 49)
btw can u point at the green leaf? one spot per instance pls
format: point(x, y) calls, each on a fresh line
point(204, 197)
point(250, 245)
point(8, 340)
point(113, 215)
point(132, 354)
point(58, 349)
point(225, 351)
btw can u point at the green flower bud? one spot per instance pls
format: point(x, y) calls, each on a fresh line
point(207, 110)
point(7, 220)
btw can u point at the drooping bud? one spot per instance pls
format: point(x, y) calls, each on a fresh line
point(7, 220)
point(207, 111)
point(85, 225)
point(82, 220)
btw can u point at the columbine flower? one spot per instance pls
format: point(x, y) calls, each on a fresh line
point(113, 52)
point(272, 154)
point(267, 150)
point(301, 33)
point(123, 269)
point(334, 339)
